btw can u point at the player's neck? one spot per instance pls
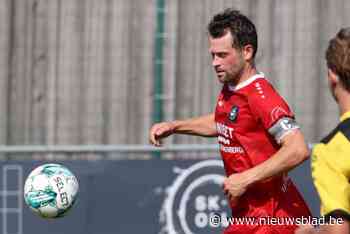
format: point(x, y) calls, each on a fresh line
point(344, 103)
point(248, 72)
point(343, 99)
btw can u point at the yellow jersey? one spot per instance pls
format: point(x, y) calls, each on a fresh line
point(331, 170)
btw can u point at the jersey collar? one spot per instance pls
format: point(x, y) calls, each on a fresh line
point(344, 116)
point(246, 82)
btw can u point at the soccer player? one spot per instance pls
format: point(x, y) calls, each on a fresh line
point(331, 158)
point(259, 138)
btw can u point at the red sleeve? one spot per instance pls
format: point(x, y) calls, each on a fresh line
point(266, 104)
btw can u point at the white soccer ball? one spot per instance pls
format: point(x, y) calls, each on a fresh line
point(50, 190)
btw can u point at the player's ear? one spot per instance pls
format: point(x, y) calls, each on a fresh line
point(248, 51)
point(332, 77)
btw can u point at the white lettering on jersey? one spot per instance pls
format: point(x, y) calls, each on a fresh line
point(223, 140)
point(232, 149)
point(224, 130)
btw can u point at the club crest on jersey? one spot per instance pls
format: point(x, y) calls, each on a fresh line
point(233, 114)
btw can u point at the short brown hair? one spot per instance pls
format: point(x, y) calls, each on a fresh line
point(338, 56)
point(242, 29)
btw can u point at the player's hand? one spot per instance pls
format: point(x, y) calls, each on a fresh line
point(160, 131)
point(234, 186)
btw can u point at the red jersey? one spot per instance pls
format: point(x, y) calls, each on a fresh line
point(244, 117)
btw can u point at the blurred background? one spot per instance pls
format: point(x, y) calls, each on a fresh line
point(82, 81)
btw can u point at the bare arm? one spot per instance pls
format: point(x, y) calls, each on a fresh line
point(293, 152)
point(343, 228)
point(200, 126)
point(325, 229)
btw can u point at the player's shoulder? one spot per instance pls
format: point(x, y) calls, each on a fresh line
point(252, 84)
point(335, 145)
point(343, 128)
point(260, 89)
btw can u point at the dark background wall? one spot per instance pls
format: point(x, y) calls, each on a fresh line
point(131, 196)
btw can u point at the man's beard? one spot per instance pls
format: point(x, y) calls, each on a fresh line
point(233, 76)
